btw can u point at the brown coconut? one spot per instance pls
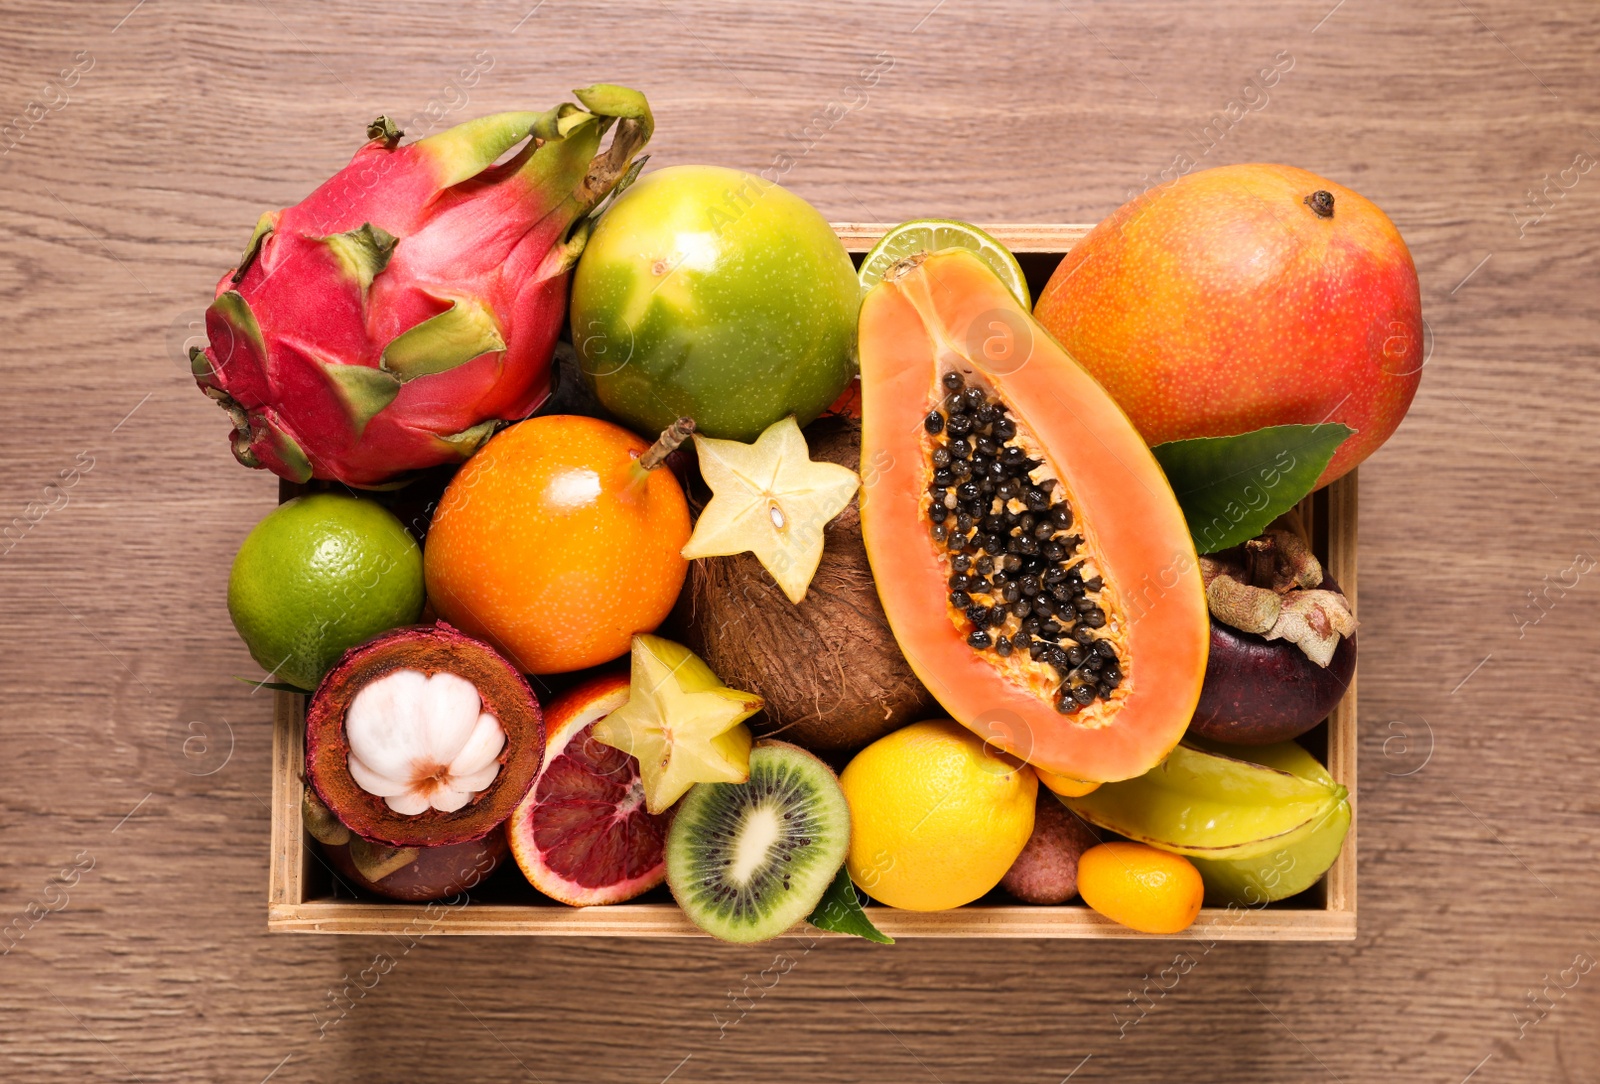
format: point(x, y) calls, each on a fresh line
point(832, 675)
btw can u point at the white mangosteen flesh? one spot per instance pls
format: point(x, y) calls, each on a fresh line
point(422, 742)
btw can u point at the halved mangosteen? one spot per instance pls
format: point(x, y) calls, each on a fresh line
point(1283, 646)
point(423, 737)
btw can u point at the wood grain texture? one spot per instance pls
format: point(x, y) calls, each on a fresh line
point(132, 747)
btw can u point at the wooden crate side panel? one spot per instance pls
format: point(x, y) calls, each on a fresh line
point(1343, 734)
point(665, 920)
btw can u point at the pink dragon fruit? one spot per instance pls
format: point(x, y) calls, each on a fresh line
point(393, 319)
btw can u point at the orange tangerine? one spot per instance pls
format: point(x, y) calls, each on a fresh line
point(1142, 888)
point(557, 544)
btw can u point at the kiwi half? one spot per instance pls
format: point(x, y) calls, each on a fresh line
point(746, 861)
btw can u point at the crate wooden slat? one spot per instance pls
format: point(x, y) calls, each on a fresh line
point(1331, 518)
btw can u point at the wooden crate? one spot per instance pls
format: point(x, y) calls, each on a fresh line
point(301, 894)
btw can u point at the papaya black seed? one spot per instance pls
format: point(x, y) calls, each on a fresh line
point(1095, 619)
point(1021, 608)
point(1036, 648)
point(1104, 649)
point(1082, 635)
point(1011, 592)
point(1066, 705)
point(1054, 576)
point(1075, 654)
point(967, 491)
point(1002, 647)
point(938, 512)
point(953, 381)
point(1093, 584)
point(978, 639)
point(1084, 695)
point(959, 425)
point(1053, 551)
point(988, 414)
point(934, 422)
point(938, 532)
point(1084, 605)
point(956, 541)
point(941, 456)
point(974, 398)
point(963, 522)
point(943, 476)
point(960, 449)
point(1062, 514)
point(985, 566)
point(958, 582)
point(1044, 530)
point(960, 599)
point(961, 563)
point(954, 404)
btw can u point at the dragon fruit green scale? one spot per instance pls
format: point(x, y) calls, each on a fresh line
point(400, 313)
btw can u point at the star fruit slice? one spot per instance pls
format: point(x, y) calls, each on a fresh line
point(771, 499)
point(681, 722)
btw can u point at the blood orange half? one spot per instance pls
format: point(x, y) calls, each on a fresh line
point(583, 835)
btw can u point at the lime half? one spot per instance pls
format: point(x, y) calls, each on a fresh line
point(933, 234)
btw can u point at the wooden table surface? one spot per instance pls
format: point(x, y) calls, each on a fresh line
point(150, 136)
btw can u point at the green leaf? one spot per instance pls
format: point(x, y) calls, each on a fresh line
point(275, 686)
point(841, 912)
point(1230, 488)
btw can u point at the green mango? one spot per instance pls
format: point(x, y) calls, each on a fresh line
point(718, 295)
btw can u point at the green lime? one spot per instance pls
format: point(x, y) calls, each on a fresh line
point(934, 234)
point(318, 576)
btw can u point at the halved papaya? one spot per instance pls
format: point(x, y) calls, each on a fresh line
point(1031, 557)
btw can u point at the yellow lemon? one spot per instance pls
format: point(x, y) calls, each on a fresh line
point(936, 817)
point(1144, 889)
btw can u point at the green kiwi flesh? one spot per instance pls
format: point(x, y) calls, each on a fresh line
point(746, 861)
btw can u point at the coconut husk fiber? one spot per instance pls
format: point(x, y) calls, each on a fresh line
point(829, 669)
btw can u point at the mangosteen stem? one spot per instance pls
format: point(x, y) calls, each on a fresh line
point(674, 435)
point(1321, 201)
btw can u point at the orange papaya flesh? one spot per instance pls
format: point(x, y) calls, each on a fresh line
point(1121, 573)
